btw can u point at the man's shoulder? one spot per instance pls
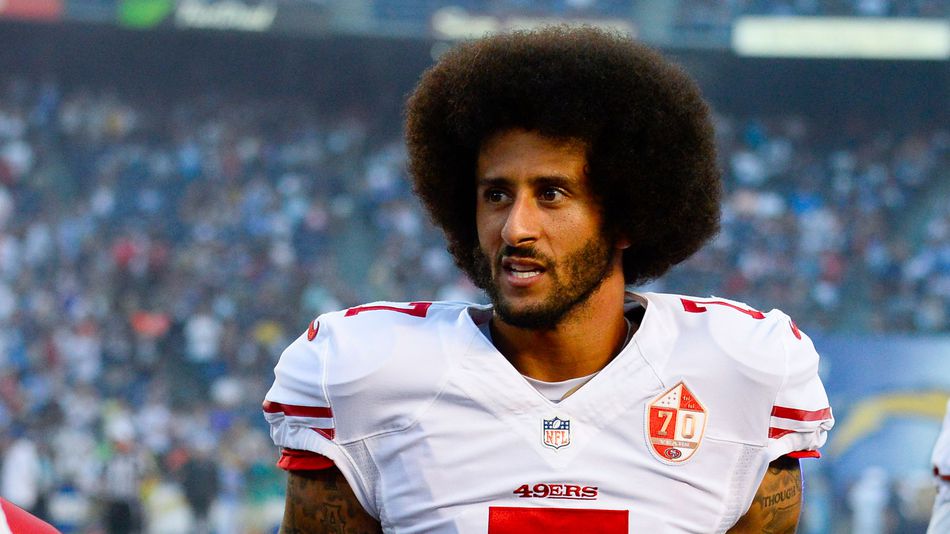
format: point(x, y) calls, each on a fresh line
point(369, 335)
point(728, 330)
point(384, 323)
point(722, 318)
point(372, 367)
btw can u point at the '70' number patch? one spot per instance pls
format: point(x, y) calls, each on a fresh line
point(675, 424)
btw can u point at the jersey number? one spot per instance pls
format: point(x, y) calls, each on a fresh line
point(415, 309)
point(512, 520)
point(695, 306)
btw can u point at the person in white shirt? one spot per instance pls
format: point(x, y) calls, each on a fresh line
point(940, 520)
point(563, 165)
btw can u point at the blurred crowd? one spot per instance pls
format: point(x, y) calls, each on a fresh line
point(156, 256)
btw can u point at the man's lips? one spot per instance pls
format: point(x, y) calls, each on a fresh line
point(521, 268)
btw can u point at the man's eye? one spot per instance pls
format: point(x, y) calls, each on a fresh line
point(550, 194)
point(494, 196)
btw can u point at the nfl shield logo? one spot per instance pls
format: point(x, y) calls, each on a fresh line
point(556, 433)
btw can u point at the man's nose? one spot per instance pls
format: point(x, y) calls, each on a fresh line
point(521, 223)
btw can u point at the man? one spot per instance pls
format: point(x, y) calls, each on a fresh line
point(562, 165)
point(940, 521)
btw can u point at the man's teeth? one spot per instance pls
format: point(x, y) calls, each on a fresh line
point(524, 274)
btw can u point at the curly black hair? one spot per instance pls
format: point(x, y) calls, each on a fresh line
point(651, 153)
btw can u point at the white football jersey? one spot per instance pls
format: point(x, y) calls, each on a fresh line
point(437, 432)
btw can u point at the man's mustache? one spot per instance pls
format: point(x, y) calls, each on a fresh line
point(527, 253)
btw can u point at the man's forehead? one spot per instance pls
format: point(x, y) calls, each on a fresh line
point(522, 153)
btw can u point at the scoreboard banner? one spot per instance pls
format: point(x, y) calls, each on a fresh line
point(39, 10)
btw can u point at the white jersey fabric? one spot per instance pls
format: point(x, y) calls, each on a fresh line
point(940, 522)
point(437, 432)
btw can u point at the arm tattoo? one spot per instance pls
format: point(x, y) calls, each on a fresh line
point(777, 503)
point(322, 502)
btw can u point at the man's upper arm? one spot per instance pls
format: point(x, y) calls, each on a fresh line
point(777, 503)
point(322, 502)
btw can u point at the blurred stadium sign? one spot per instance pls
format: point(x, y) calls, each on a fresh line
point(830, 37)
point(31, 9)
point(456, 23)
point(887, 414)
point(225, 15)
point(143, 14)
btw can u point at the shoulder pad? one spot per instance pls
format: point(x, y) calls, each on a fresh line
point(374, 367)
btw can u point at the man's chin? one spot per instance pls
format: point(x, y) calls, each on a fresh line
point(530, 317)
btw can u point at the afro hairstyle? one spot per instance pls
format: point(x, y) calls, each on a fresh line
point(651, 156)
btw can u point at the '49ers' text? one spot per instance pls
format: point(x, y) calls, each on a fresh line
point(557, 491)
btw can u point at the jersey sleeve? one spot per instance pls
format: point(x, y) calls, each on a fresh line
point(801, 415)
point(297, 406)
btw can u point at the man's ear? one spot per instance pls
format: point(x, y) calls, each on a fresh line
point(622, 243)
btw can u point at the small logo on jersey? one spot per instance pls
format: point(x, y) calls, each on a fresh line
point(557, 491)
point(556, 433)
point(675, 424)
point(313, 329)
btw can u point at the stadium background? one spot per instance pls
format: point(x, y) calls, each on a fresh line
point(185, 184)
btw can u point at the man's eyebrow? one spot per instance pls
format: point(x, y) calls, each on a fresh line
point(545, 179)
point(497, 181)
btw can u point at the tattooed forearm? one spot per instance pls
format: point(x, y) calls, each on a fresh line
point(777, 503)
point(322, 502)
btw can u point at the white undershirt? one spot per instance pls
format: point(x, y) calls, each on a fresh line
point(558, 391)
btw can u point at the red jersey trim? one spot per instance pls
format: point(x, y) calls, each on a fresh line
point(297, 460)
point(328, 433)
point(804, 454)
point(775, 433)
point(298, 411)
point(801, 415)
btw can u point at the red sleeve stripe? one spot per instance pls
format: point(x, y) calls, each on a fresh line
point(801, 415)
point(775, 433)
point(297, 460)
point(299, 411)
point(804, 454)
point(328, 433)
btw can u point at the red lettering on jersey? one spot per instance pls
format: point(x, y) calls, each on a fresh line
point(313, 329)
point(557, 491)
point(795, 330)
point(415, 309)
point(523, 491)
point(694, 306)
point(509, 520)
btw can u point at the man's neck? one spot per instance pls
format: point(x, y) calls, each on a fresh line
point(585, 341)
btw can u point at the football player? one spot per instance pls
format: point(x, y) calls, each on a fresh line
point(940, 521)
point(563, 165)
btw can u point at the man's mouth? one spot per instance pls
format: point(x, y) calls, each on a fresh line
point(521, 268)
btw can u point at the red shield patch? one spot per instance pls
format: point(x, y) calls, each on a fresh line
point(675, 424)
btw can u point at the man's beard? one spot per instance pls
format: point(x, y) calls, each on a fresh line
point(584, 271)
